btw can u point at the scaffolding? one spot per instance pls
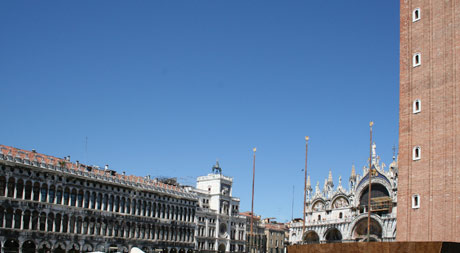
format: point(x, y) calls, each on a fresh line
point(381, 204)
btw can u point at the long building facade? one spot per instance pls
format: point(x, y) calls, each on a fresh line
point(49, 204)
point(340, 215)
point(429, 122)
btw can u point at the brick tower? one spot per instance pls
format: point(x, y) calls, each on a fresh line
point(429, 123)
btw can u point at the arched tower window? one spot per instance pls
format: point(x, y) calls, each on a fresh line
point(416, 60)
point(416, 15)
point(417, 106)
point(416, 153)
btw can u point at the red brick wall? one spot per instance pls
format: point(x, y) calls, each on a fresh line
point(436, 176)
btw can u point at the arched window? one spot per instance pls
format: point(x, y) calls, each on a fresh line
point(44, 192)
point(42, 221)
point(93, 200)
point(340, 215)
point(87, 199)
point(2, 185)
point(416, 15)
point(11, 186)
point(17, 219)
point(50, 222)
point(319, 217)
point(51, 194)
point(59, 195)
point(19, 188)
point(416, 153)
point(28, 190)
point(57, 222)
point(26, 220)
point(9, 218)
point(415, 201)
point(73, 197)
point(80, 198)
point(417, 106)
point(416, 60)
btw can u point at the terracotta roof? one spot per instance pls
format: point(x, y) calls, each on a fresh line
point(248, 214)
point(41, 160)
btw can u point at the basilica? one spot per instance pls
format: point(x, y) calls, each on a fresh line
point(340, 214)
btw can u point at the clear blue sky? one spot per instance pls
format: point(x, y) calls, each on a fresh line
point(166, 87)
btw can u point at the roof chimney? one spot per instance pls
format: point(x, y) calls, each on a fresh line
point(34, 151)
point(106, 167)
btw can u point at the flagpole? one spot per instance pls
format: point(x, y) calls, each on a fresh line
point(370, 186)
point(253, 177)
point(305, 186)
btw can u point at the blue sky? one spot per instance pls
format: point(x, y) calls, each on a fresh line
point(167, 87)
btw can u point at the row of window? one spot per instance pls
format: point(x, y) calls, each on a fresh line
point(416, 107)
point(58, 223)
point(92, 200)
point(417, 104)
point(83, 183)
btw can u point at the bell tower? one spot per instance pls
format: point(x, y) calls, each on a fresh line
point(429, 121)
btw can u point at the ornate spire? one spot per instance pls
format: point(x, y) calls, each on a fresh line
point(330, 183)
point(317, 190)
point(308, 183)
point(353, 171)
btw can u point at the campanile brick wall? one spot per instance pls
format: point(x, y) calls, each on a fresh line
point(436, 82)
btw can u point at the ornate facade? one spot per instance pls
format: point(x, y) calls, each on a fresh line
point(55, 205)
point(220, 227)
point(340, 215)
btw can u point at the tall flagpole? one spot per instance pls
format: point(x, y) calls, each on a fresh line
point(305, 186)
point(253, 177)
point(370, 186)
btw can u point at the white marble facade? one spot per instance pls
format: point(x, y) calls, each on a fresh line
point(340, 215)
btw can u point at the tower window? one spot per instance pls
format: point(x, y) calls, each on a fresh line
point(416, 60)
point(319, 217)
point(340, 215)
point(415, 201)
point(417, 106)
point(416, 15)
point(416, 153)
